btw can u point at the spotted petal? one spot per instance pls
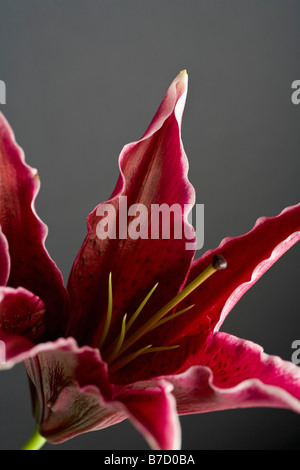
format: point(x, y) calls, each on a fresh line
point(249, 257)
point(236, 374)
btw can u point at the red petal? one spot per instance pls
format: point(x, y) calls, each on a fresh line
point(72, 394)
point(152, 409)
point(236, 374)
point(153, 171)
point(5, 260)
point(22, 323)
point(70, 389)
point(31, 266)
point(249, 257)
point(21, 313)
point(14, 349)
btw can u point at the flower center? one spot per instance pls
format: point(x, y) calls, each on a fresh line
point(115, 354)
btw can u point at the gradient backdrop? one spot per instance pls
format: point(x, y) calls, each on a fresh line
point(85, 78)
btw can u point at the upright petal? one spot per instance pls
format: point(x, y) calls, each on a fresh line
point(236, 374)
point(31, 266)
point(152, 171)
point(4, 259)
point(249, 257)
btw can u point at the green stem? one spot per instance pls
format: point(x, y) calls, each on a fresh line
point(36, 442)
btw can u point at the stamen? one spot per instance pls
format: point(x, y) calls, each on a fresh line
point(161, 348)
point(120, 341)
point(123, 362)
point(120, 345)
point(170, 317)
point(108, 315)
point(217, 264)
point(148, 349)
point(111, 350)
point(138, 311)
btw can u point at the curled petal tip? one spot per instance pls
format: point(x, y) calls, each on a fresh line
point(181, 82)
point(182, 77)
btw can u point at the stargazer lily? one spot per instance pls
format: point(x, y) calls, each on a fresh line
point(135, 335)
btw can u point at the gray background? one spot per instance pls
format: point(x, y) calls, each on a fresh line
point(85, 78)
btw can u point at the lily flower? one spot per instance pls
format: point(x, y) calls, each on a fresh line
point(136, 333)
